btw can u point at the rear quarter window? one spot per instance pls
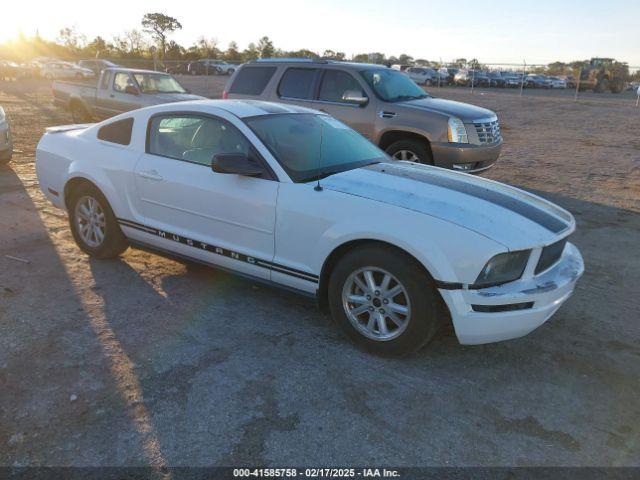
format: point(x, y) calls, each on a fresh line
point(117, 132)
point(252, 80)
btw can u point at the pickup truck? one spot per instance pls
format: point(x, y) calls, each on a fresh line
point(118, 90)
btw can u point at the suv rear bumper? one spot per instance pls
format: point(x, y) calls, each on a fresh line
point(467, 158)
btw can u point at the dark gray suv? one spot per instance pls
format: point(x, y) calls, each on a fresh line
point(383, 104)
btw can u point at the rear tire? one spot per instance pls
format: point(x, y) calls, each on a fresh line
point(95, 229)
point(412, 150)
point(374, 317)
point(616, 85)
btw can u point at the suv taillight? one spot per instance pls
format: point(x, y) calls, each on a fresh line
point(225, 95)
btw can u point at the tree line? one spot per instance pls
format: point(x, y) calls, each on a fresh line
point(152, 41)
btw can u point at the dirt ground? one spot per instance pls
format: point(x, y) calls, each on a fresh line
point(148, 361)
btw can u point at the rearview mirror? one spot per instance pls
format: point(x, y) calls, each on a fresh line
point(355, 97)
point(131, 90)
point(236, 163)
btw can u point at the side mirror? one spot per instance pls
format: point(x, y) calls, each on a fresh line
point(355, 97)
point(236, 163)
point(131, 90)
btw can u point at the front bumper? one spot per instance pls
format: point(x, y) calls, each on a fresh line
point(473, 158)
point(547, 292)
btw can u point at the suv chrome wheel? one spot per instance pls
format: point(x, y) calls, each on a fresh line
point(406, 155)
point(376, 303)
point(90, 221)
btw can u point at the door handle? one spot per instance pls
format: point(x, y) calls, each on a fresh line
point(150, 174)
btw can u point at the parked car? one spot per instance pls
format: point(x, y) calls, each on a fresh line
point(30, 69)
point(6, 144)
point(382, 104)
point(445, 78)
point(570, 80)
point(452, 74)
point(536, 81)
point(400, 67)
point(557, 82)
point(496, 80)
point(511, 79)
point(178, 69)
point(118, 90)
point(292, 197)
point(476, 78)
point(422, 75)
point(65, 70)
point(9, 70)
point(211, 67)
point(96, 65)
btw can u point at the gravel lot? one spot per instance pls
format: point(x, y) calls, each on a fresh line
point(147, 361)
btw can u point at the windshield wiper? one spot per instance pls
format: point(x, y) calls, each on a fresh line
point(400, 98)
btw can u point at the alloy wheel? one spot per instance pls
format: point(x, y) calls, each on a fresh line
point(406, 155)
point(376, 303)
point(90, 221)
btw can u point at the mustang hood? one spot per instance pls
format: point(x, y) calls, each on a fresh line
point(510, 216)
point(465, 112)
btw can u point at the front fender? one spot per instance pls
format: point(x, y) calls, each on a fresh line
point(448, 252)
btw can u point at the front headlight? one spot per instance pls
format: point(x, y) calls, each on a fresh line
point(456, 131)
point(503, 268)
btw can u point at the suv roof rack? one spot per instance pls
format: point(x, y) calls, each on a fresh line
point(291, 59)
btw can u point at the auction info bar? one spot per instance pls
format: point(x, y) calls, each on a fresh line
point(206, 473)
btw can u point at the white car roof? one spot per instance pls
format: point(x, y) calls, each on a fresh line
point(240, 108)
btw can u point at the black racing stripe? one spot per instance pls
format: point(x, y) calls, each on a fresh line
point(225, 252)
point(520, 207)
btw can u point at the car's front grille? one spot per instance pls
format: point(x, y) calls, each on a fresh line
point(550, 255)
point(488, 131)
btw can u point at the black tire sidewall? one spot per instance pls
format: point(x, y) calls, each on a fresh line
point(415, 146)
point(426, 315)
point(115, 242)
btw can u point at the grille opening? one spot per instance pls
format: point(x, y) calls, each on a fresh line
point(502, 308)
point(488, 132)
point(550, 255)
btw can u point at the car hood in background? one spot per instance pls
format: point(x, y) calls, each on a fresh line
point(508, 215)
point(176, 97)
point(464, 111)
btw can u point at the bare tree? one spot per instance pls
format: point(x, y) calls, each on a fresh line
point(160, 26)
point(135, 40)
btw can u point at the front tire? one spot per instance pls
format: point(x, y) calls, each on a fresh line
point(411, 150)
point(383, 300)
point(93, 224)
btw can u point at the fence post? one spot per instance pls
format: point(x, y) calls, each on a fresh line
point(524, 72)
point(575, 96)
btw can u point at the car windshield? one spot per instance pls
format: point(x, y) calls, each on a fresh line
point(158, 83)
point(310, 146)
point(392, 86)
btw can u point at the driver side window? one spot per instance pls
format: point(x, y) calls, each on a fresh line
point(336, 83)
point(194, 138)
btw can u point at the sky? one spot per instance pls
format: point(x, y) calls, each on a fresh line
point(537, 31)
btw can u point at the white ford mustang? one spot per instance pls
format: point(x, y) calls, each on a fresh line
point(293, 197)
